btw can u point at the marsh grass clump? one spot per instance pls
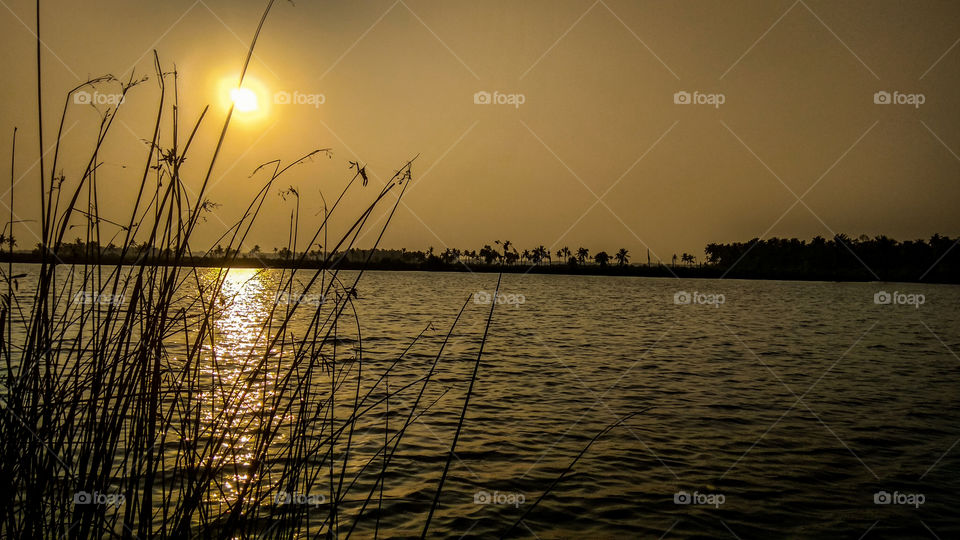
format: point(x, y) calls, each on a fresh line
point(145, 396)
point(128, 409)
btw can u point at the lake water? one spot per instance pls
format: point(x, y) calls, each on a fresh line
point(766, 409)
point(798, 403)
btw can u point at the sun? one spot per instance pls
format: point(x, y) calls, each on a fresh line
point(244, 99)
point(248, 102)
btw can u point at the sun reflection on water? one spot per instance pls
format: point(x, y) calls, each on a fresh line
point(238, 389)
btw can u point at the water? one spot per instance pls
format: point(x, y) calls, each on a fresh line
point(777, 409)
point(797, 402)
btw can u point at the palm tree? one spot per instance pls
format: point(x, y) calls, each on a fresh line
point(488, 254)
point(582, 254)
point(563, 254)
point(674, 260)
point(602, 258)
point(538, 254)
point(622, 256)
point(544, 253)
point(506, 246)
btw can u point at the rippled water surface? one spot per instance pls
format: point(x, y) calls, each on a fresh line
point(780, 410)
point(796, 402)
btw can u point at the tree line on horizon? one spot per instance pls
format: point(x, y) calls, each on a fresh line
point(840, 257)
point(505, 253)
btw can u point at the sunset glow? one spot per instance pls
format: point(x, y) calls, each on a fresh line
point(244, 99)
point(543, 269)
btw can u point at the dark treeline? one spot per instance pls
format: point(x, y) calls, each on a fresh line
point(838, 259)
point(841, 258)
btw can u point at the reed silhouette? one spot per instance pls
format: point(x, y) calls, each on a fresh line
point(134, 398)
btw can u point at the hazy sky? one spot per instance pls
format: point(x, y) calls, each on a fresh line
point(598, 119)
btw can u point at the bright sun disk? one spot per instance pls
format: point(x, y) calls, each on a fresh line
point(244, 99)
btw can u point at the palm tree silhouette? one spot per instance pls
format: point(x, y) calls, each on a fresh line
point(488, 254)
point(506, 246)
point(622, 256)
point(563, 254)
point(602, 258)
point(582, 254)
point(541, 253)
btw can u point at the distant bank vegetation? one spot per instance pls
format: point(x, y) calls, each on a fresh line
point(839, 258)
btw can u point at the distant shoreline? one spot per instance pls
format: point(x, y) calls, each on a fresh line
point(704, 271)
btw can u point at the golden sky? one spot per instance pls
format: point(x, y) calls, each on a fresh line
point(583, 142)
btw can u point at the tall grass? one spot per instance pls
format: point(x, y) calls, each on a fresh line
point(132, 417)
point(126, 418)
